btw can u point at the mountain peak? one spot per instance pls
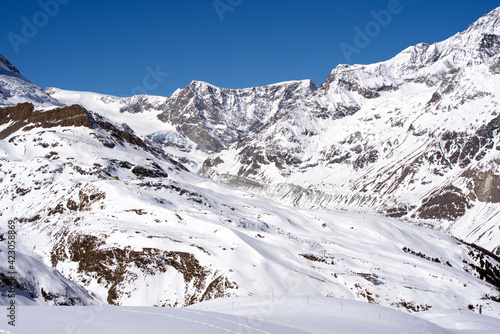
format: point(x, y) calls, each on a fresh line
point(6, 67)
point(488, 23)
point(15, 88)
point(201, 83)
point(305, 83)
point(479, 42)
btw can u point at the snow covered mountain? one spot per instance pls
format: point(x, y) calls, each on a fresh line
point(197, 120)
point(216, 117)
point(415, 137)
point(114, 214)
point(14, 88)
point(103, 190)
point(139, 115)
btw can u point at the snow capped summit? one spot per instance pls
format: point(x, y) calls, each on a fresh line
point(487, 24)
point(7, 68)
point(201, 115)
point(476, 44)
point(14, 88)
point(214, 117)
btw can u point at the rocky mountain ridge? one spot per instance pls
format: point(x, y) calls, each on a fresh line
point(216, 117)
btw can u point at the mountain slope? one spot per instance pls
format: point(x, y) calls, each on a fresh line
point(139, 114)
point(414, 137)
point(114, 214)
point(34, 282)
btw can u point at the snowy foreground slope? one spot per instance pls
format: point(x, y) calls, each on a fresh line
point(250, 315)
point(331, 315)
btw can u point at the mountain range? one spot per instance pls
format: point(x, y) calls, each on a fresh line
point(382, 184)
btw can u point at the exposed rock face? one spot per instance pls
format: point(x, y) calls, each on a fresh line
point(447, 203)
point(31, 283)
point(490, 45)
point(23, 114)
point(142, 103)
point(116, 267)
point(462, 149)
point(485, 186)
point(215, 117)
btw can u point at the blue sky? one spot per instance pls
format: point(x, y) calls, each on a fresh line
point(124, 47)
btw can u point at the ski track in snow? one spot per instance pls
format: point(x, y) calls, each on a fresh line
point(230, 321)
point(205, 323)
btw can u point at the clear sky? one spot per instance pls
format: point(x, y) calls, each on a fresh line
point(124, 47)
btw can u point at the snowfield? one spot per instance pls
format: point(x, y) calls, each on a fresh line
point(250, 315)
